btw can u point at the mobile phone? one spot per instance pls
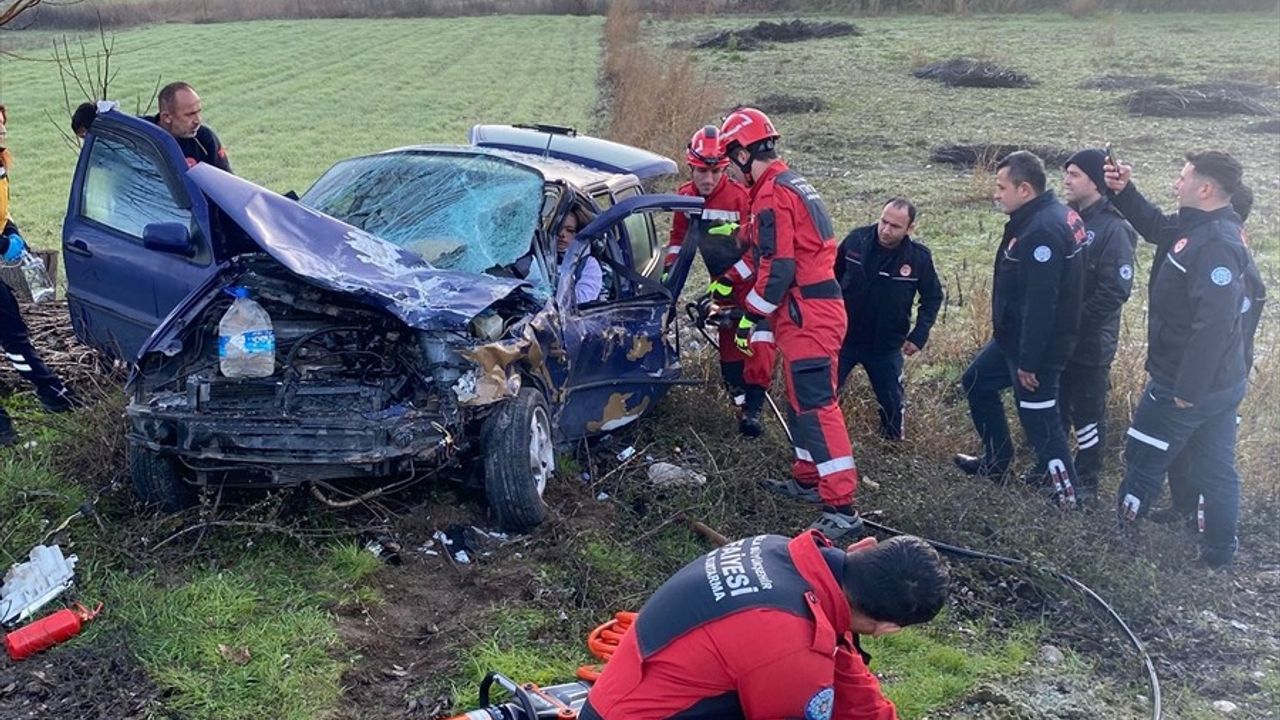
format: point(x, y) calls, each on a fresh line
point(1111, 157)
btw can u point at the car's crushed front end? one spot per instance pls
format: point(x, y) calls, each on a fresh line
point(383, 363)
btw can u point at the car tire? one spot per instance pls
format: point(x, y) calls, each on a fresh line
point(157, 480)
point(519, 460)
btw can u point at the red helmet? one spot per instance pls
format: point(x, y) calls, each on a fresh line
point(704, 149)
point(746, 126)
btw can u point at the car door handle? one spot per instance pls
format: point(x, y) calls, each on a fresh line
point(79, 247)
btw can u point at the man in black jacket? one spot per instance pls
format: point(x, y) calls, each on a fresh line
point(1108, 280)
point(180, 114)
point(1199, 306)
point(881, 270)
point(1035, 310)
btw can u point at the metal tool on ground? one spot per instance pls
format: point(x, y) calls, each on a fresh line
point(528, 701)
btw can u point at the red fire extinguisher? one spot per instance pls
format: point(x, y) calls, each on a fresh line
point(48, 631)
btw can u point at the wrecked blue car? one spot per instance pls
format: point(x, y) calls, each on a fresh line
point(423, 315)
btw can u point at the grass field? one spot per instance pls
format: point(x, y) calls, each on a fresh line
point(288, 99)
point(327, 634)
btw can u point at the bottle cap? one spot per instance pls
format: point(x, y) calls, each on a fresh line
point(239, 291)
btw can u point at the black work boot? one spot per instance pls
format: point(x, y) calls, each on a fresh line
point(751, 425)
point(974, 465)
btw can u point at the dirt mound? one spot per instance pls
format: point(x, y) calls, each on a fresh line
point(965, 72)
point(1271, 127)
point(788, 104)
point(78, 682)
point(1194, 101)
point(987, 155)
point(1247, 89)
point(1126, 82)
point(766, 31)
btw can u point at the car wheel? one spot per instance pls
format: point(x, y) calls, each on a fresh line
point(519, 459)
point(157, 480)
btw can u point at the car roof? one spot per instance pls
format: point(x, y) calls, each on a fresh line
point(553, 169)
point(567, 144)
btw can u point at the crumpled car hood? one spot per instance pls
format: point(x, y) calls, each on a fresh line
point(336, 256)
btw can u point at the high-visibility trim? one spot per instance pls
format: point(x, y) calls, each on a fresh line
point(712, 214)
point(744, 269)
point(673, 250)
point(1041, 405)
point(762, 336)
point(1176, 263)
point(1087, 436)
point(1088, 443)
point(16, 357)
point(1140, 436)
point(759, 304)
point(1086, 429)
point(22, 367)
point(836, 465)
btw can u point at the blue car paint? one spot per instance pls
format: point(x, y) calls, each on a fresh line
point(601, 366)
point(117, 291)
point(581, 149)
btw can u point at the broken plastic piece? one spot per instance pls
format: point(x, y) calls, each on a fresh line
point(31, 585)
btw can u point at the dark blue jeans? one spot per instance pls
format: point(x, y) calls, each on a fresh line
point(16, 344)
point(992, 372)
point(884, 370)
point(1203, 438)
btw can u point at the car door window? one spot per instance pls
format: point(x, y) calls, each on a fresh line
point(640, 235)
point(125, 189)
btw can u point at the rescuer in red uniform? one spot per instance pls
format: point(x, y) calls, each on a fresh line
point(790, 257)
point(746, 376)
point(767, 628)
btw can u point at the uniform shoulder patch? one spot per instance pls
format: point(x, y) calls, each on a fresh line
point(1220, 275)
point(820, 705)
point(1126, 272)
point(1178, 246)
point(1042, 253)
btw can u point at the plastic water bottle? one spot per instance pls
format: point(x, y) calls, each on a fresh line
point(246, 339)
point(37, 278)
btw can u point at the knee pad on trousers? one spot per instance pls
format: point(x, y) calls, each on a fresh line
point(812, 382)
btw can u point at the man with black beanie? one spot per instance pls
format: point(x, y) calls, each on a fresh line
point(1108, 280)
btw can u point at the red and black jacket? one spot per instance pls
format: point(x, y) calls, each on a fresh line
point(791, 243)
point(727, 203)
point(757, 630)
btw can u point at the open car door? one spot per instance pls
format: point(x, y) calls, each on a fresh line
point(137, 235)
point(619, 360)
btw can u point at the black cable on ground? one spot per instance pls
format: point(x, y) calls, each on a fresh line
point(1152, 679)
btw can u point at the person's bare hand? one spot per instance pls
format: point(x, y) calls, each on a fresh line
point(909, 348)
point(1028, 380)
point(1118, 177)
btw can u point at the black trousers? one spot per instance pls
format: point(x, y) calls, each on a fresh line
point(884, 370)
point(15, 341)
point(1083, 400)
point(990, 373)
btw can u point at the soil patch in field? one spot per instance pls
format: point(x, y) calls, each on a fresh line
point(1126, 82)
point(966, 72)
point(78, 681)
point(79, 366)
point(1268, 127)
point(775, 104)
point(1204, 100)
point(987, 155)
point(766, 31)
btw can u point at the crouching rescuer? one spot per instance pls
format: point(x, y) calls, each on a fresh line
point(746, 374)
point(790, 258)
point(767, 627)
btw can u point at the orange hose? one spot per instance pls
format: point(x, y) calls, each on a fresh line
point(603, 642)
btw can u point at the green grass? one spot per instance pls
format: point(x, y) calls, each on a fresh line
point(288, 99)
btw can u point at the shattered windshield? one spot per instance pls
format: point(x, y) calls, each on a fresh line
point(459, 212)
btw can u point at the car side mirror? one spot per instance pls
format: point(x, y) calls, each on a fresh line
point(168, 237)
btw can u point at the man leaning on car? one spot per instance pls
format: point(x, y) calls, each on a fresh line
point(180, 111)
